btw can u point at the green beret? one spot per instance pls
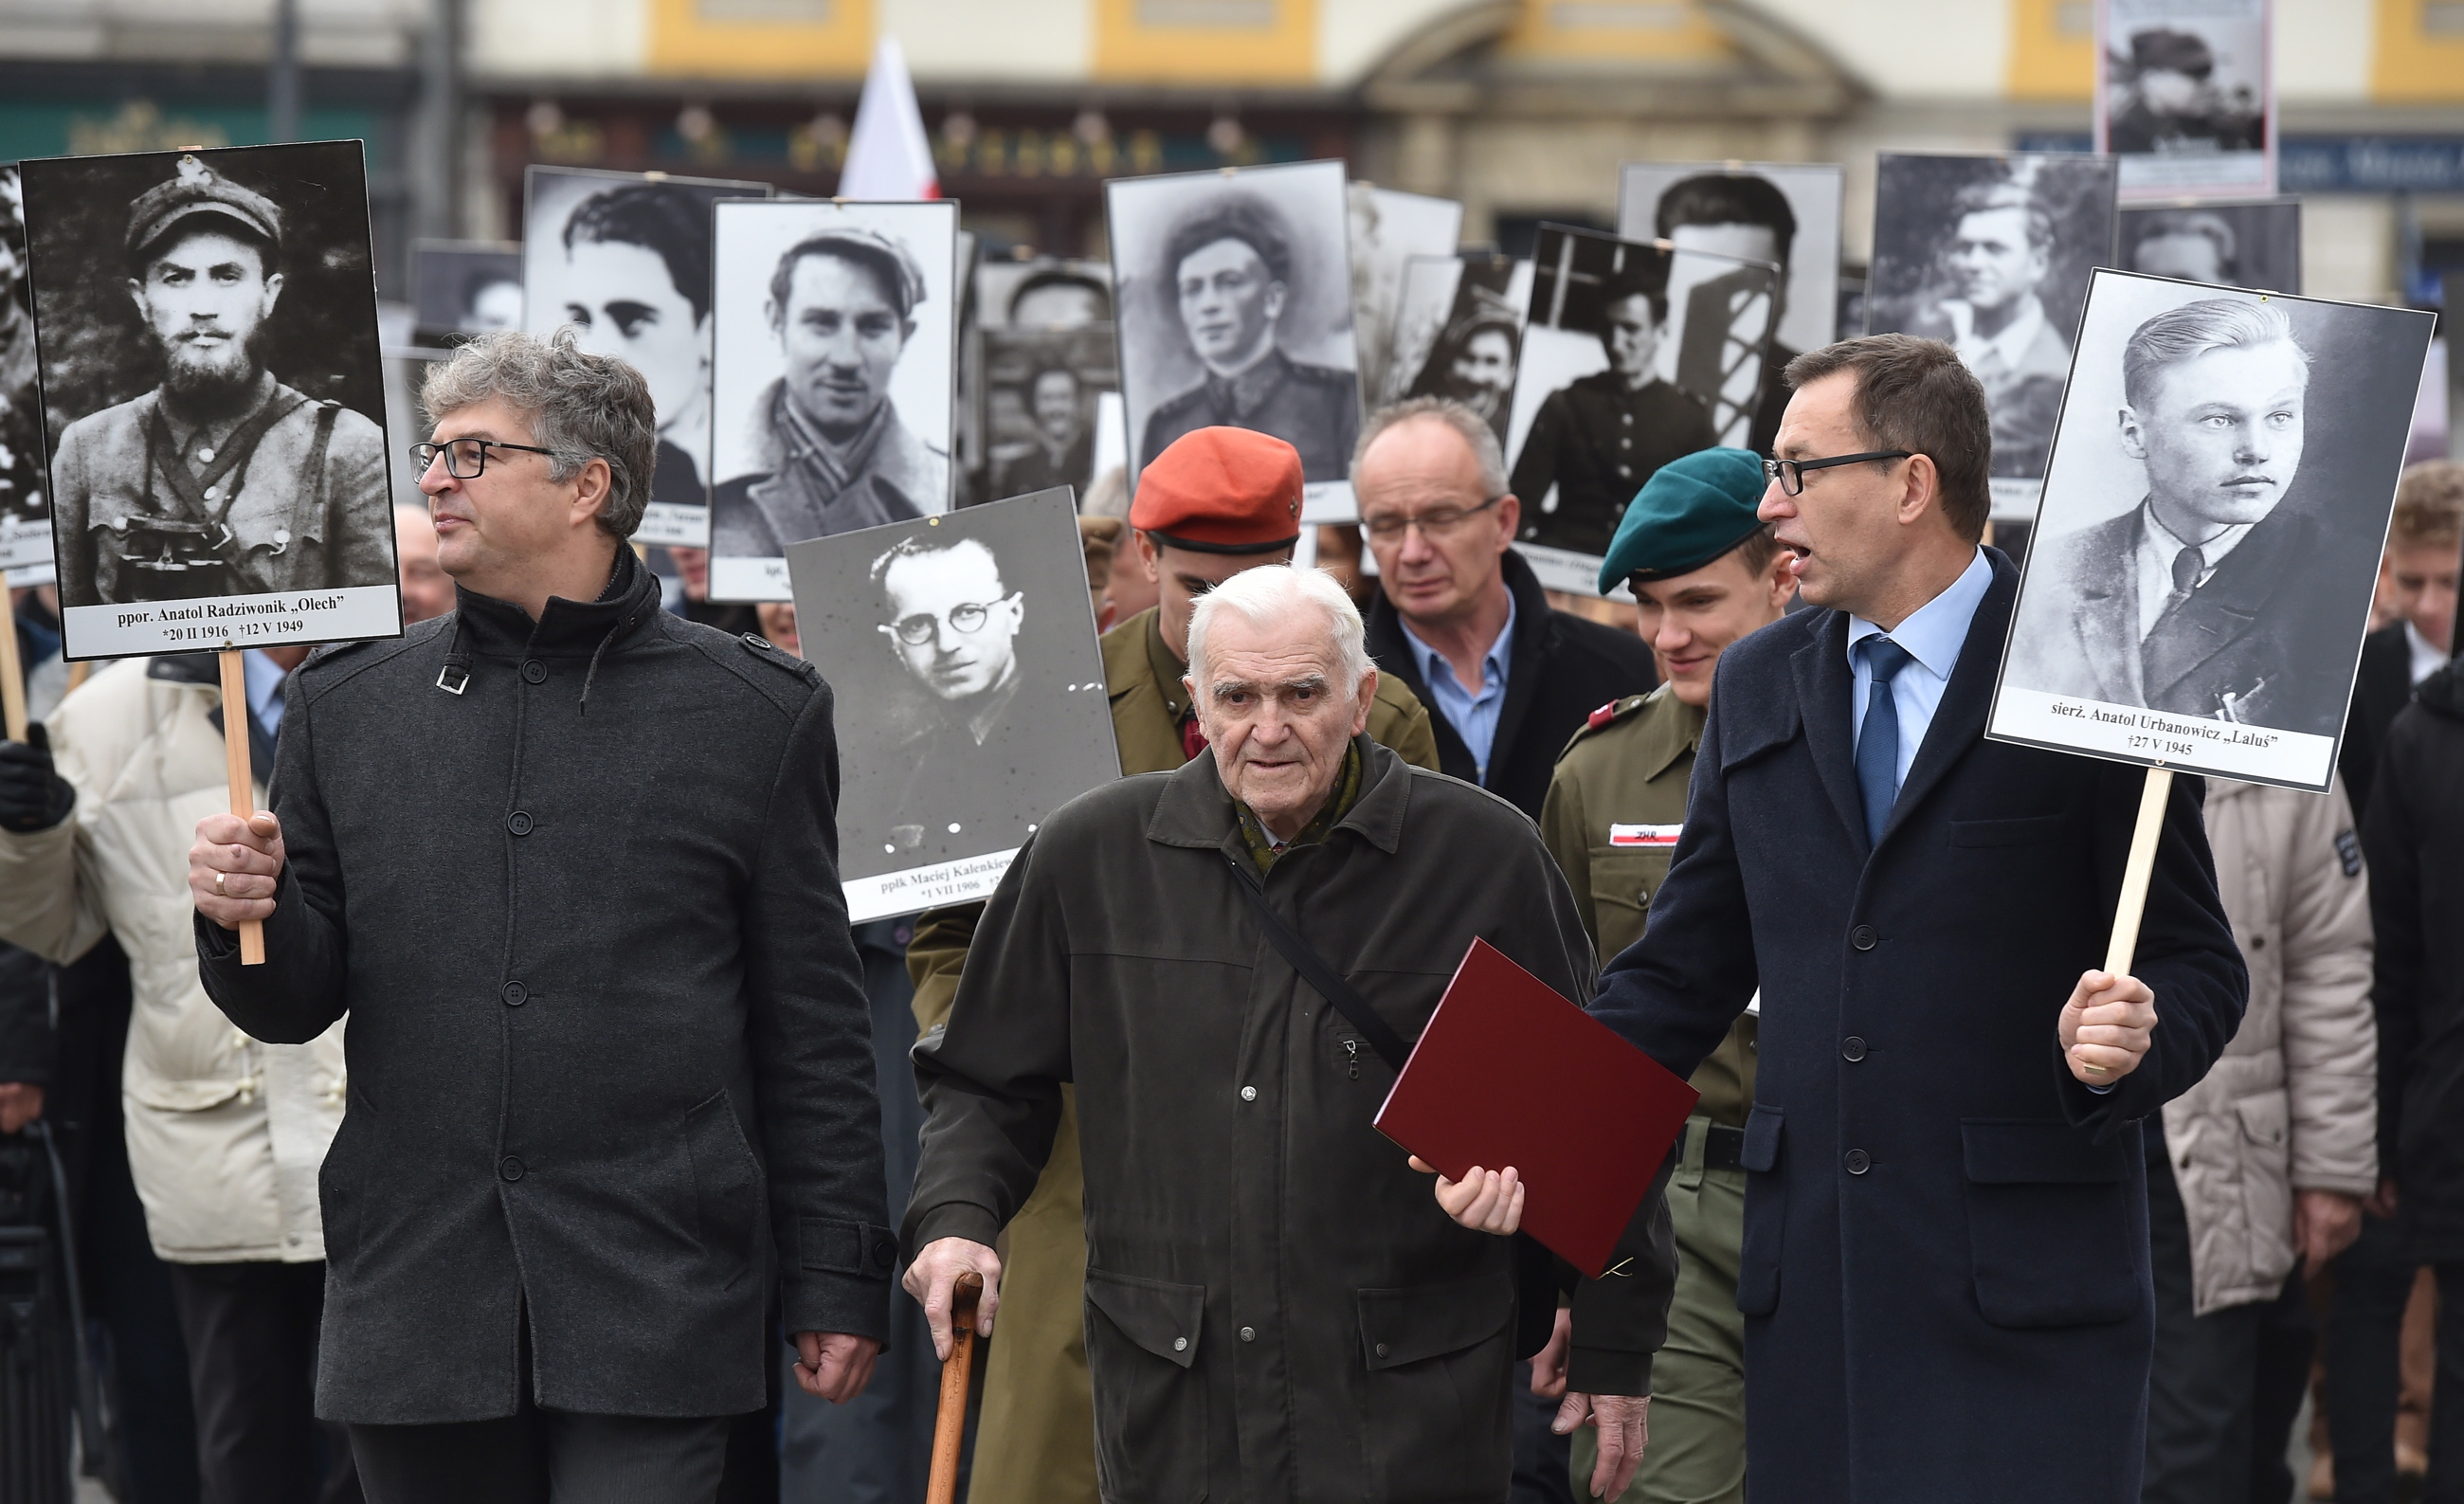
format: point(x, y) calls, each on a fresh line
point(1691, 511)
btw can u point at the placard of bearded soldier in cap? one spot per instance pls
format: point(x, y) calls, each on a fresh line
point(833, 453)
point(1217, 502)
point(1230, 270)
point(1705, 571)
point(222, 480)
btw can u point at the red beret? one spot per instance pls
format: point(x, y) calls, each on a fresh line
point(1221, 491)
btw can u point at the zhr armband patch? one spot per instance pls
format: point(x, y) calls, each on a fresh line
point(1643, 834)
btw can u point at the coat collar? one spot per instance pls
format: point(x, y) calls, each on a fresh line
point(567, 629)
point(2232, 602)
point(1535, 629)
point(1665, 729)
point(1197, 810)
point(1825, 690)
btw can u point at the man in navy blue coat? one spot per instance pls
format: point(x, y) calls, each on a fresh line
point(1944, 1272)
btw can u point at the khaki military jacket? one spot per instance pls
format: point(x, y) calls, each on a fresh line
point(1143, 678)
point(298, 520)
point(1612, 819)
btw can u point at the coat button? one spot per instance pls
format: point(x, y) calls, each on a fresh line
point(519, 822)
point(533, 672)
point(1248, 1094)
point(1863, 938)
point(1858, 1162)
point(511, 1168)
point(1382, 1349)
point(1180, 1344)
point(1852, 1049)
point(1248, 1334)
point(515, 994)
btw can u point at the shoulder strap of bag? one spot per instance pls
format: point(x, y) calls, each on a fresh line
point(1316, 971)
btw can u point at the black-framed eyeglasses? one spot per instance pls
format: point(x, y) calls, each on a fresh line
point(1434, 523)
point(1790, 473)
point(966, 618)
point(466, 459)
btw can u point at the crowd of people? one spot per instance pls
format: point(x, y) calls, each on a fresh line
point(572, 1145)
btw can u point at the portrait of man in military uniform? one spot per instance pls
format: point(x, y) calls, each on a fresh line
point(1595, 439)
point(828, 445)
point(1234, 313)
point(223, 479)
point(2209, 539)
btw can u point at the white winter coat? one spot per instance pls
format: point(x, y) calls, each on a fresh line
point(2291, 1105)
point(224, 1134)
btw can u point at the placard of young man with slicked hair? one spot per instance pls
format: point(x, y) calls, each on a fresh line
point(611, 1109)
point(1945, 1268)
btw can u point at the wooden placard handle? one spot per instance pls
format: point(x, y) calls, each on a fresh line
point(13, 671)
point(949, 1424)
point(243, 790)
point(2152, 800)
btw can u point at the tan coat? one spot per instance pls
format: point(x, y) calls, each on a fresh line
point(224, 1134)
point(2293, 1103)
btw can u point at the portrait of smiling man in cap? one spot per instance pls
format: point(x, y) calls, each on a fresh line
point(221, 481)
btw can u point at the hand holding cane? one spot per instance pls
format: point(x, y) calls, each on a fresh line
point(950, 1426)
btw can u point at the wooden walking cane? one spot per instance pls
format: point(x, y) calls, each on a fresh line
point(243, 794)
point(950, 1426)
point(2135, 871)
point(13, 673)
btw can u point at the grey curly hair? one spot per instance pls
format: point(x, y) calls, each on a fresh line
point(580, 406)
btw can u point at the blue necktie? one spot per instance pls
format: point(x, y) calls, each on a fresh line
point(1878, 744)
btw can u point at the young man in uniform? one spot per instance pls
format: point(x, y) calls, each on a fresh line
point(1705, 571)
point(1216, 503)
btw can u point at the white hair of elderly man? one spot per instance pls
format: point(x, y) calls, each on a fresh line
point(1274, 593)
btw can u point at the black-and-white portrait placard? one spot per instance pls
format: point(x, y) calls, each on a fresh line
point(463, 287)
point(1782, 211)
point(1634, 353)
point(1041, 390)
point(2187, 101)
point(25, 516)
point(2256, 244)
point(2200, 577)
point(837, 345)
point(206, 330)
point(1234, 295)
point(971, 699)
point(625, 258)
point(1388, 230)
point(1459, 332)
point(1991, 253)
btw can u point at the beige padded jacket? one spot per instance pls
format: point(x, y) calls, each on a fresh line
point(2291, 1105)
point(224, 1134)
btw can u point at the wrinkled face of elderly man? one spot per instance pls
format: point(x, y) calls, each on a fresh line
point(1278, 710)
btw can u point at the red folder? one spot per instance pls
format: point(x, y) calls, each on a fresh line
point(1509, 1072)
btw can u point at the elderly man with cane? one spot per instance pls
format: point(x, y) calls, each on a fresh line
point(611, 1108)
point(1274, 1307)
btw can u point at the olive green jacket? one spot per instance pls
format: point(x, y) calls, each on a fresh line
point(1143, 677)
point(1611, 819)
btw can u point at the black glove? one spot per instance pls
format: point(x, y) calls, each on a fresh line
point(32, 794)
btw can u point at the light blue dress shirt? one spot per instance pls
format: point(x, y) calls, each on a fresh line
point(1474, 717)
point(1934, 634)
point(265, 678)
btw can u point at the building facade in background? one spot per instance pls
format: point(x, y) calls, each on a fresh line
point(1520, 108)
